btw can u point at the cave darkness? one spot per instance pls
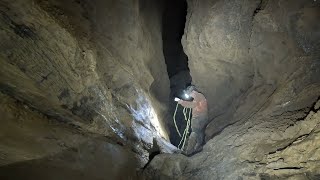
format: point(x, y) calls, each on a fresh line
point(174, 18)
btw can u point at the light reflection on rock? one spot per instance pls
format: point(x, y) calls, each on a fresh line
point(146, 116)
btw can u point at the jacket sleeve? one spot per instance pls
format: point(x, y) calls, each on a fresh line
point(188, 104)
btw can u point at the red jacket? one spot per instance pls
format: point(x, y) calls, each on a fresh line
point(199, 104)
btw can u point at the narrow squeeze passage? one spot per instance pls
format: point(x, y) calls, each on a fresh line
point(83, 84)
point(174, 19)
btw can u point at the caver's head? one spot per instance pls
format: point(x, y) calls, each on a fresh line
point(189, 92)
point(191, 89)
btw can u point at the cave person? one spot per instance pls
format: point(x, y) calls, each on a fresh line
point(199, 119)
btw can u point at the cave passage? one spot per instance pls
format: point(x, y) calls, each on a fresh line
point(174, 19)
point(173, 28)
point(84, 89)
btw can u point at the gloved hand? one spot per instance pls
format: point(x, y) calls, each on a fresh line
point(176, 99)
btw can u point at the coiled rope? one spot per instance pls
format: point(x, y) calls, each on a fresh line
point(187, 118)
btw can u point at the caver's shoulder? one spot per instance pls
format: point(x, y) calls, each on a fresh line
point(200, 96)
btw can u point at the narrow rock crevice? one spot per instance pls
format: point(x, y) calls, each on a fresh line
point(174, 20)
point(288, 168)
point(87, 88)
point(262, 4)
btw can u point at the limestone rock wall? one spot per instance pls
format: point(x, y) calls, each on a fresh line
point(247, 151)
point(216, 41)
point(258, 64)
point(34, 146)
point(241, 52)
point(96, 65)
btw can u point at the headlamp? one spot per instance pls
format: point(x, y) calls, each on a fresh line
point(184, 95)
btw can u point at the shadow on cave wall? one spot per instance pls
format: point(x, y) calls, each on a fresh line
point(89, 160)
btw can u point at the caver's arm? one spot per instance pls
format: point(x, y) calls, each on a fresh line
point(188, 104)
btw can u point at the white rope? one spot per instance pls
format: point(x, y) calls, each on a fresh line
point(174, 119)
point(187, 117)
